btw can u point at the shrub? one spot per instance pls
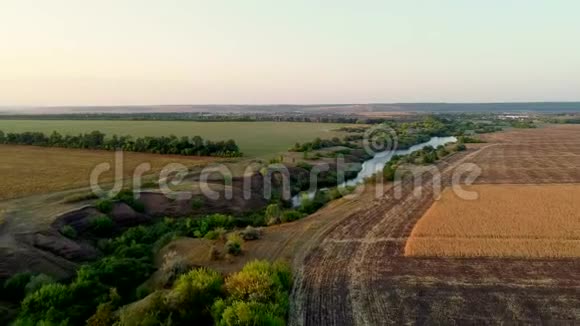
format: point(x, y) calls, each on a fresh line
point(51, 303)
point(442, 152)
point(250, 313)
point(38, 281)
point(173, 267)
point(194, 293)
point(104, 316)
point(196, 203)
point(124, 274)
point(128, 197)
point(234, 244)
point(309, 206)
point(273, 221)
point(273, 214)
point(214, 253)
point(255, 282)
point(258, 220)
point(151, 311)
point(163, 241)
point(102, 226)
point(221, 233)
point(218, 221)
point(216, 234)
point(104, 206)
point(304, 165)
point(460, 147)
point(251, 233)
point(142, 291)
point(334, 193)
point(138, 206)
point(217, 310)
point(257, 295)
point(211, 235)
point(14, 287)
point(290, 215)
point(467, 139)
point(134, 250)
point(69, 232)
point(284, 273)
point(275, 160)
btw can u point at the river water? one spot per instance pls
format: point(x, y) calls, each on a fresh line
point(377, 163)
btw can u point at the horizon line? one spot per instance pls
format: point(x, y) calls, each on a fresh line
point(290, 104)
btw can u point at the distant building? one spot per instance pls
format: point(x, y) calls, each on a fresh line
point(513, 116)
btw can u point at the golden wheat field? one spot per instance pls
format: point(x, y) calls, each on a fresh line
point(505, 221)
point(27, 170)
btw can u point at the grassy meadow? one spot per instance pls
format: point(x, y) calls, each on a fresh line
point(256, 139)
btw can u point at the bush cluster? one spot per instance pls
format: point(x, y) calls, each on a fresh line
point(257, 295)
point(427, 155)
point(69, 232)
point(102, 226)
point(234, 244)
point(127, 197)
point(127, 263)
point(104, 206)
point(319, 143)
point(311, 205)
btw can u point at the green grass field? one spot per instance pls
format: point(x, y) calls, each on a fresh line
point(256, 139)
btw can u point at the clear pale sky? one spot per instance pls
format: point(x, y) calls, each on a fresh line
point(121, 52)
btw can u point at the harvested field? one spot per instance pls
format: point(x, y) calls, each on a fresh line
point(531, 156)
point(28, 170)
point(356, 273)
point(505, 221)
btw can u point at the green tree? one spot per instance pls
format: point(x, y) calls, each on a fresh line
point(14, 287)
point(194, 293)
point(242, 313)
point(273, 214)
point(38, 281)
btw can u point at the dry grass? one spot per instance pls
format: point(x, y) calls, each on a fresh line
point(505, 221)
point(27, 170)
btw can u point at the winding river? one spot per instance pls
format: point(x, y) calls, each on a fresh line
point(377, 163)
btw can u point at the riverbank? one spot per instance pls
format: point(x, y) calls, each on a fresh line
point(373, 165)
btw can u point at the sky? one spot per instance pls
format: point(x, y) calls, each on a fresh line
point(145, 52)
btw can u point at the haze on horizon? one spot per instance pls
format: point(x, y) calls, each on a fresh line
point(134, 52)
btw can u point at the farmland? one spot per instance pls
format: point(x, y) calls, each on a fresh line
point(352, 262)
point(27, 170)
point(505, 221)
point(256, 139)
point(355, 272)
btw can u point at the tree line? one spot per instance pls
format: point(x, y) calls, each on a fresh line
point(97, 140)
point(196, 116)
